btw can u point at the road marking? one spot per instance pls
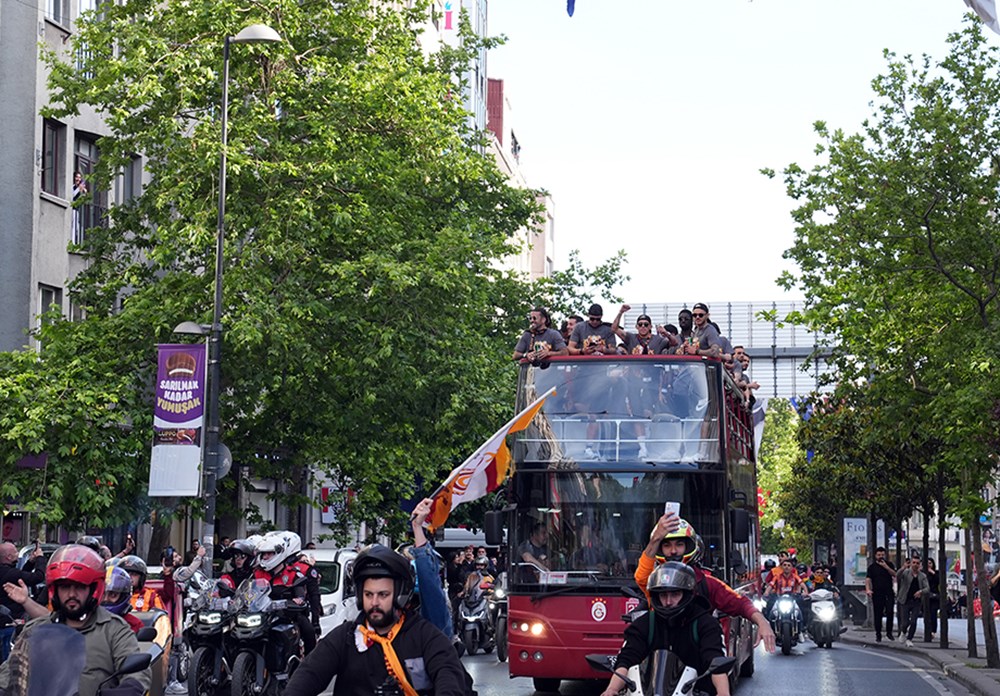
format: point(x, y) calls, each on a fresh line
point(919, 671)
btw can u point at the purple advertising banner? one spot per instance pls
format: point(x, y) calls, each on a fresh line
point(178, 421)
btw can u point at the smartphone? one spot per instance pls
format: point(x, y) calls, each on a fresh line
point(672, 506)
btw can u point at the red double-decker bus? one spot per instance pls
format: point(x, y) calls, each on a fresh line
point(621, 436)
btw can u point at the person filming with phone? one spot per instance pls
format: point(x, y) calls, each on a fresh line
point(674, 539)
point(33, 573)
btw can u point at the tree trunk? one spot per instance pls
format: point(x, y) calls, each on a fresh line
point(872, 545)
point(943, 602)
point(899, 544)
point(983, 583)
point(970, 594)
point(925, 600)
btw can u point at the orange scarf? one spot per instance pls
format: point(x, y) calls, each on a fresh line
point(392, 663)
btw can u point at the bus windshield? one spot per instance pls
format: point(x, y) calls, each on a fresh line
point(660, 410)
point(587, 528)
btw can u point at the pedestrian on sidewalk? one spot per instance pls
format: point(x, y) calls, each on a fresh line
point(911, 586)
point(878, 586)
point(934, 600)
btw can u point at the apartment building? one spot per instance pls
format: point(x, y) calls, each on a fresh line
point(37, 186)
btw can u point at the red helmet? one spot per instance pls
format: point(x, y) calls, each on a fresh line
point(79, 564)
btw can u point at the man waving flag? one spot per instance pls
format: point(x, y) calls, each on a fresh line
point(484, 471)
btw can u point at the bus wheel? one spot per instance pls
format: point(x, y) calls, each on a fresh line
point(546, 686)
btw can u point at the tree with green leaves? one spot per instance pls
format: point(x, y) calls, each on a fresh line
point(898, 254)
point(368, 321)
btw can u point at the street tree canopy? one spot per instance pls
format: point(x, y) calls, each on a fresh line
point(368, 323)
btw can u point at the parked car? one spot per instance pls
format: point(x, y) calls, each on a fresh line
point(336, 587)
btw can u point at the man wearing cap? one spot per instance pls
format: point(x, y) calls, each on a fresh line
point(644, 341)
point(704, 338)
point(594, 336)
point(540, 341)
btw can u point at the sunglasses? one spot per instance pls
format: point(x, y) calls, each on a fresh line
point(594, 318)
point(698, 315)
point(642, 323)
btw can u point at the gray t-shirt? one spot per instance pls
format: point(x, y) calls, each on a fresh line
point(707, 337)
point(653, 345)
point(550, 338)
point(584, 334)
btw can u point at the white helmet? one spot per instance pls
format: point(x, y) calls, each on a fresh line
point(284, 545)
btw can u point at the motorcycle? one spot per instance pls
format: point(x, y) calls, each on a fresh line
point(477, 629)
point(265, 641)
point(61, 677)
point(498, 615)
point(662, 673)
point(786, 622)
point(208, 622)
point(824, 626)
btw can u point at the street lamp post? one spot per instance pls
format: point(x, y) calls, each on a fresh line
point(255, 33)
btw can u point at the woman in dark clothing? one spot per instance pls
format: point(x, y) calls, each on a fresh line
point(934, 603)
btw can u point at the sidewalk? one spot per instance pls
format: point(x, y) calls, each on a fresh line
point(953, 661)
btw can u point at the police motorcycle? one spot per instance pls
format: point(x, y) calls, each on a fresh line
point(786, 621)
point(476, 620)
point(264, 639)
point(208, 621)
point(498, 615)
point(825, 623)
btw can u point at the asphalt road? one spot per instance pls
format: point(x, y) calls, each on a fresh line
point(844, 670)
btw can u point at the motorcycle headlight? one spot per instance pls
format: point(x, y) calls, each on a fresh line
point(499, 594)
point(211, 618)
point(492, 606)
point(760, 604)
point(249, 620)
point(826, 613)
point(785, 604)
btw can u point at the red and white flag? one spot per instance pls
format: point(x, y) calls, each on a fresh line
point(987, 11)
point(484, 471)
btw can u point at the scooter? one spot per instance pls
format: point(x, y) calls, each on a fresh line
point(265, 641)
point(662, 674)
point(824, 625)
point(786, 621)
point(477, 630)
point(209, 619)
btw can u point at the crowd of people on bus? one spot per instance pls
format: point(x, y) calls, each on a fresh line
point(697, 335)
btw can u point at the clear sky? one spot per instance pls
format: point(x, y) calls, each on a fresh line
point(649, 120)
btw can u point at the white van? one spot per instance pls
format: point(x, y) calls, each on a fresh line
point(337, 592)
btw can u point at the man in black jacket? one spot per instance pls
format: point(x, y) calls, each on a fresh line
point(9, 573)
point(388, 646)
point(682, 623)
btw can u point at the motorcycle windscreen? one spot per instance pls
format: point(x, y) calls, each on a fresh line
point(661, 673)
point(56, 657)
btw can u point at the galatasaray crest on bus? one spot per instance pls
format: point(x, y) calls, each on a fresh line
point(484, 471)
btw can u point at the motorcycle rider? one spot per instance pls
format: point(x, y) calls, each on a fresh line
point(32, 574)
point(143, 598)
point(786, 581)
point(280, 564)
point(241, 554)
point(75, 578)
point(387, 646)
point(682, 622)
point(673, 539)
point(118, 595)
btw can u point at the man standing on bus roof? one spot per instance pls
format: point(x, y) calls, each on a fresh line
point(673, 539)
point(704, 338)
point(644, 341)
point(540, 341)
point(594, 336)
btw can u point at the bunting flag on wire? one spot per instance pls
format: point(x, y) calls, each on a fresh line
point(484, 471)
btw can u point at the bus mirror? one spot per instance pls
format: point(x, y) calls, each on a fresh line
point(493, 527)
point(739, 522)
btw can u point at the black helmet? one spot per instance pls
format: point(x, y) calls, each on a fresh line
point(239, 546)
point(671, 576)
point(91, 542)
point(378, 561)
point(802, 569)
point(134, 564)
point(769, 564)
